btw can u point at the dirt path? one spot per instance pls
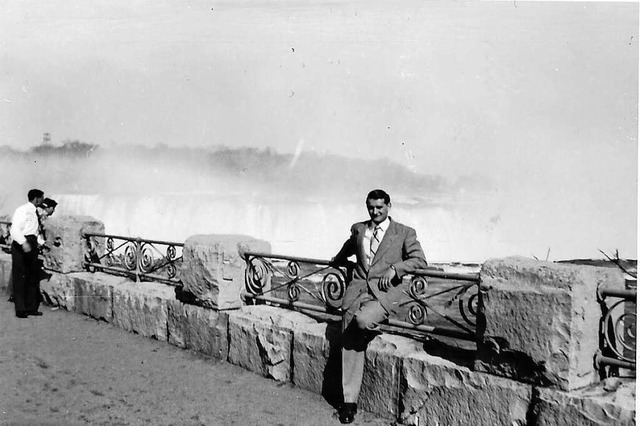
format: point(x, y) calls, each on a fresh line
point(67, 369)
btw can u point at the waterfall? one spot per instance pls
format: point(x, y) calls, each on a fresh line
point(314, 229)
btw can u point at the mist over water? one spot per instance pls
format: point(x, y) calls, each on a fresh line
point(305, 205)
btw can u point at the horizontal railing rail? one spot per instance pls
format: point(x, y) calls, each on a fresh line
point(428, 305)
point(141, 259)
point(617, 329)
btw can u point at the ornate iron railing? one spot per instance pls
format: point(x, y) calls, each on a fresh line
point(617, 329)
point(434, 302)
point(138, 258)
point(5, 236)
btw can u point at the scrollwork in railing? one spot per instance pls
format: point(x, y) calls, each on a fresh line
point(316, 285)
point(417, 314)
point(468, 306)
point(130, 256)
point(146, 258)
point(293, 270)
point(617, 330)
point(172, 257)
point(620, 331)
point(135, 257)
point(416, 311)
point(418, 287)
point(425, 302)
point(310, 281)
point(333, 287)
point(257, 275)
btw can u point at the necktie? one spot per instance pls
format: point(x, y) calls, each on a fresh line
point(375, 243)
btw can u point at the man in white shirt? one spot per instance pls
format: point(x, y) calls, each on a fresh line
point(24, 256)
point(44, 211)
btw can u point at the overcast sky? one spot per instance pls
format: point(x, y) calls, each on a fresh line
point(443, 87)
point(529, 93)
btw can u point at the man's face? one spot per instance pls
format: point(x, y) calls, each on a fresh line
point(378, 210)
point(39, 200)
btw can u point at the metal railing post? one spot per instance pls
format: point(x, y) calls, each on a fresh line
point(138, 258)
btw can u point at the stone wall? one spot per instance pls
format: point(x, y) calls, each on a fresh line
point(65, 243)
point(213, 268)
point(540, 321)
point(530, 369)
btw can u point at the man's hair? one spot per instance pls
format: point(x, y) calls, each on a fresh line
point(378, 194)
point(34, 193)
point(49, 202)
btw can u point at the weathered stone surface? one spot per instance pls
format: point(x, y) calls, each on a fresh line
point(382, 373)
point(213, 268)
point(312, 347)
point(539, 321)
point(94, 293)
point(5, 236)
point(5, 269)
point(65, 243)
point(143, 308)
point(201, 329)
point(260, 339)
point(58, 290)
point(592, 406)
point(435, 391)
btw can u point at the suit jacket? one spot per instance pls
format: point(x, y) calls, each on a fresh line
point(399, 247)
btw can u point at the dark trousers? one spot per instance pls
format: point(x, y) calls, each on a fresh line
point(26, 276)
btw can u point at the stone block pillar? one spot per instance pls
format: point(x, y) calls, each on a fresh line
point(65, 246)
point(5, 271)
point(213, 268)
point(539, 321)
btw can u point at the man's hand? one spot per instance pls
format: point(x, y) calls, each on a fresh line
point(26, 247)
point(385, 281)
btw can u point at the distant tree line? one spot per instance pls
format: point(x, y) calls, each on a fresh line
point(68, 148)
point(309, 172)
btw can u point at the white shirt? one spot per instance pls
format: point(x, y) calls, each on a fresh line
point(368, 234)
point(24, 222)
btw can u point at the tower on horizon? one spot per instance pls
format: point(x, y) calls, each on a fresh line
point(46, 139)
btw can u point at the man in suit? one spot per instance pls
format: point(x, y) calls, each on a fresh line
point(385, 251)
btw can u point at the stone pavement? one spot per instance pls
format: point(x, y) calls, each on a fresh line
point(67, 369)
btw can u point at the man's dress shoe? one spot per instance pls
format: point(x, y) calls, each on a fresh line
point(22, 315)
point(35, 314)
point(347, 412)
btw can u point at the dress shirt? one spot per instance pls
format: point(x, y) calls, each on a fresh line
point(368, 234)
point(24, 222)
